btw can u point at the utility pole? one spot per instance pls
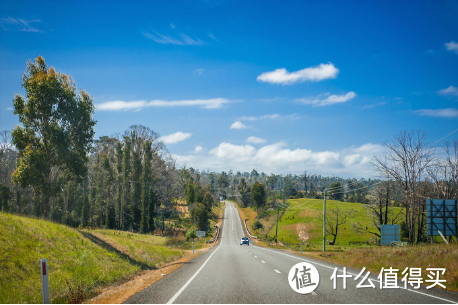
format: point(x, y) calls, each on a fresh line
point(324, 222)
point(278, 210)
point(276, 227)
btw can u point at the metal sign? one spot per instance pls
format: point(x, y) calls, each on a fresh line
point(201, 233)
point(441, 214)
point(389, 234)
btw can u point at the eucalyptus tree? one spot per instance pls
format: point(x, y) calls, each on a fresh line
point(56, 132)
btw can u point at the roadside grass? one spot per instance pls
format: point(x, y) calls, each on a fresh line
point(94, 259)
point(145, 251)
point(422, 256)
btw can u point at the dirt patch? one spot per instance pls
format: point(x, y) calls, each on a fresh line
point(183, 209)
point(302, 232)
point(310, 213)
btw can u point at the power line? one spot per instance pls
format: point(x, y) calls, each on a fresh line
point(343, 186)
point(332, 193)
point(445, 137)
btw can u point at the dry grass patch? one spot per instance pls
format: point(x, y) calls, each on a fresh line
point(423, 256)
point(310, 213)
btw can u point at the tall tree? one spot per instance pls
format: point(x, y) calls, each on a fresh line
point(258, 195)
point(146, 188)
point(126, 169)
point(56, 131)
point(137, 189)
point(119, 188)
point(245, 191)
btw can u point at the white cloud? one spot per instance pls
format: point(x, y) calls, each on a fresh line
point(214, 103)
point(175, 137)
point(451, 90)
point(18, 24)
point(199, 71)
point(255, 140)
point(329, 100)
point(198, 149)
point(316, 73)
point(444, 113)
point(277, 158)
point(238, 125)
point(265, 117)
point(233, 152)
point(452, 46)
point(181, 40)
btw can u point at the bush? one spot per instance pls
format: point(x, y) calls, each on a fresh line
point(191, 233)
point(257, 225)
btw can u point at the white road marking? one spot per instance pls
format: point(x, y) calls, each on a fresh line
point(255, 256)
point(325, 266)
point(263, 262)
point(192, 278)
point(315, 263)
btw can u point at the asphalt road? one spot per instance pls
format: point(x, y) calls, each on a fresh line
point(231, 273)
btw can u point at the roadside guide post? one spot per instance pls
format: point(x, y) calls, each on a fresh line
point(44, 281)
point(301, 247)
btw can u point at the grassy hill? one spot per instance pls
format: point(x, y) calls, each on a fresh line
point(95, 258)
point(302, 221)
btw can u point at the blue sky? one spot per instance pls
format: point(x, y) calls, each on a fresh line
point(278, 86)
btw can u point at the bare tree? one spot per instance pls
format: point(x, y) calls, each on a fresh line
point(406, 161)
point(380, 207)
point(444, 173)
point(335, 218)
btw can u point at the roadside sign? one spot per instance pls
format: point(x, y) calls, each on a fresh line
point(389, 234)
point(441, 215)
point(201, 233)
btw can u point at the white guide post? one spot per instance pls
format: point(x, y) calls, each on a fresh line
point(44, 281)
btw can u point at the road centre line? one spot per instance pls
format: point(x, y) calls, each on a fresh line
point(422, 293)
point(277, 271)
point(263, 262)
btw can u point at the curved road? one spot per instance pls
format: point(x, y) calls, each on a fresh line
point(230, 273)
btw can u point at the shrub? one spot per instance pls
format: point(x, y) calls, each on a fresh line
point(257, 225)
point(191, 233)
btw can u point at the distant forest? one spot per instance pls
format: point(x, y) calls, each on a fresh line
point(133, 177)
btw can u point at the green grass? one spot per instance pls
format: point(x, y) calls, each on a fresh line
point(145, 251)
point(303, 221)
point(94, 258)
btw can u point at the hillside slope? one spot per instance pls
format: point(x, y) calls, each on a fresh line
point(81, 257)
